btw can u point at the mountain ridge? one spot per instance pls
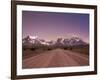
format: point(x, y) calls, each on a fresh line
point(35, 40)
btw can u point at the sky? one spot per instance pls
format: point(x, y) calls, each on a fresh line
point(52, 25)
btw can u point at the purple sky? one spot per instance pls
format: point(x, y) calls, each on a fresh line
point(51, 25)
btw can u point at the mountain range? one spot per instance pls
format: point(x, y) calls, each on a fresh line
point(36, 41)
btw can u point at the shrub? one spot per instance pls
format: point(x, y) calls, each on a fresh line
point(65, 48)
point(49, 49)
point(33, 49)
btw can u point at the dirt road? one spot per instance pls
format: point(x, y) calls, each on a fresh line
point(56, 58)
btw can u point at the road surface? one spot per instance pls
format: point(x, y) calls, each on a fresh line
point(56, 58)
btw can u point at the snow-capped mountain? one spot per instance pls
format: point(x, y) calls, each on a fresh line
point(30, 39)
point(34, 40)
point(74, 41)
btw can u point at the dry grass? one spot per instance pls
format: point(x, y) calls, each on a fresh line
point(29, 53)
point(35, 51)
point(84, 50)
